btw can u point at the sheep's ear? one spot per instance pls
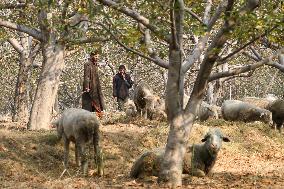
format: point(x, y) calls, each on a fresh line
point(226, 139)
point(189, 148)
point(205, 138)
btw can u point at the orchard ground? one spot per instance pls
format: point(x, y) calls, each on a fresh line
point(33, 159)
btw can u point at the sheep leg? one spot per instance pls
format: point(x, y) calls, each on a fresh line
point(144, 113)
point(198, 173)
point(98, 153)
point(77, 154)
point(281, 128)
point(139, 111)
point(66, 152)
point(82, 154)
point(99, 161)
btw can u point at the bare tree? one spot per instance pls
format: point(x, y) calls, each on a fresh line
point(53, 42)
point(27, 53)
point(181, 120)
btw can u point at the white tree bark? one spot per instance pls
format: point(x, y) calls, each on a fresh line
point(53, 63)
point(21, 98)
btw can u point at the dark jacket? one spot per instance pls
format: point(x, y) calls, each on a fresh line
point(92, 81)
point(121, 87)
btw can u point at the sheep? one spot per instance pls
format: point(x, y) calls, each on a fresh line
point(129, 108)
point(207, 111)
point(277, 110)
point(235, 110)
point(146, 102)
point(198, 161)
point(80, 126)
point(259, 102)
point(205, 154)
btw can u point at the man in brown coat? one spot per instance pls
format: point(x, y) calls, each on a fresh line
point(92, 98)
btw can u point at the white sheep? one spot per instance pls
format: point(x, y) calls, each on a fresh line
point(80, 126)
point(198, 161)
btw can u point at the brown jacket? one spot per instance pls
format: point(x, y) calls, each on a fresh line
point(92, 82)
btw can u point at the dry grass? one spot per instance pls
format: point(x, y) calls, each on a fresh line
point(30, 159)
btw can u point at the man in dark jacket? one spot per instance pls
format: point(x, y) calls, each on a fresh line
point(121, 84)
point(92, 98)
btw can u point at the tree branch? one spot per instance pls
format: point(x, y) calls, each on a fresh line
point(221, 8)
point(12, 6)
point(87, 40)
point(193, 14)
point(135, 15)
point(197, 51)
point(174, 40)
point(213, 51)
point(280, 57)
point(35, 50)
point(152, 53)
point(224, 59)
point(207, 12)
point(200, 46)
point(246, 68)
point(16, 45)
point(32, 32)
point(276, 65)
point(251, 56)
point(153, 57)
point(256, 53)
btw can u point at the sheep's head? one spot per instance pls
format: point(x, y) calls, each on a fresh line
point(213, 141)
point(266, 116)
point(57, 124)
point(152, 101)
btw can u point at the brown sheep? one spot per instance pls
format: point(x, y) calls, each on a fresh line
point(147, 103)
point(277, 109)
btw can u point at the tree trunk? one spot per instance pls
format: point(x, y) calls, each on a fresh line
point(171, 167)
point(53, 63)
point(27, 53)
point(21, 99)
point(175, 148)
point(171, 171)
point(210, 93)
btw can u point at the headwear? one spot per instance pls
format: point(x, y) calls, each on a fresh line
point(121, 67)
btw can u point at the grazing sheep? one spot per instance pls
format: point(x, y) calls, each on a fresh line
point(146, 102)
point(277, 110)
point(198, 161)
point(259, 102)
point(207, 111)
point(80, 126)
point(129, 108)
point(235, 110)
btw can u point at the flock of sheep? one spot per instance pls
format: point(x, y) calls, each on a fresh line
point(82, 127)
point(268, 110)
